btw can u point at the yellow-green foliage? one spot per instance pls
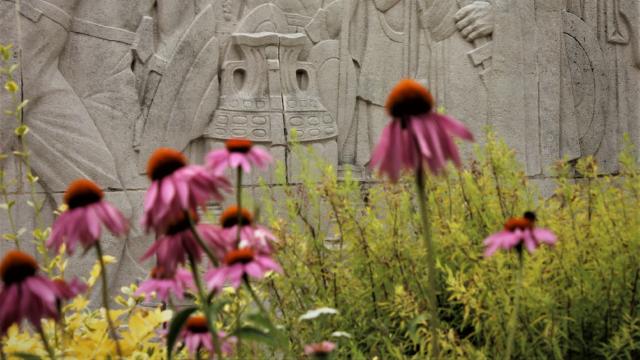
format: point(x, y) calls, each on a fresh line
point(580, 299)
point(83, 334)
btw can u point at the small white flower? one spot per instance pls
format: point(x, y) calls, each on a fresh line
point(341, 334)
point(312, 314)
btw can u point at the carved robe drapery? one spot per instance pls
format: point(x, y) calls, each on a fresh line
point(64, 141)
point(519, 78)
point(620, 40)
point(382, 38)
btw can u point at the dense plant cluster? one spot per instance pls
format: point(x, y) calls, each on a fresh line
point(579, 300)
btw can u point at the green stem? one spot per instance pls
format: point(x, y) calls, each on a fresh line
point(46, 344)
point(513, 321)
point(239, 200)
point(203, 245)
point(255, 297)
point(204, 302)
point(105, 299)
point(431, 267)
point(5, 193)
point(25, 152)
point(12, 222)
point(56, 340)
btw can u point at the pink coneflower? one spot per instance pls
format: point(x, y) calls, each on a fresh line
point(237, 265)
point(519, 232)
point(196, 336)
point(177, 187)
point(178, 242)
point(238, 153)
point(320, 350)
point(251, 234)
point(417, 134)
point(69, 290)
point(82, 222)
point(163, 283)
point(25, 294)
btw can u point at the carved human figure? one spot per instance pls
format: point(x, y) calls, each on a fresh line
point(65, 143)
point(98, 63)
point(621, 45)
point(113, 47)
point(484, 48)
point(230, 12)
point(123, 57)
point(458, 29)
point(118, 57)
point(370, 28)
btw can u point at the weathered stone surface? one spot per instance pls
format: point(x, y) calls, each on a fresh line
point(111, 80)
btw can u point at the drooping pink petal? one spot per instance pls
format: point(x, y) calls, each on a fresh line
point(151, 196)
point(545, 236)
point(454, 127)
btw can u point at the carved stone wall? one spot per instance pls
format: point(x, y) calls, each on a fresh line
point(110, 80)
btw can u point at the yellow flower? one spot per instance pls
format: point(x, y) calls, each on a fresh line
point(22, 342)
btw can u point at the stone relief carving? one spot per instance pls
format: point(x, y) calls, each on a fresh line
point(111, 80)
point(268, 93)
point(187, 92)
point(620, 44)
point(157, 66)
point(60, 124)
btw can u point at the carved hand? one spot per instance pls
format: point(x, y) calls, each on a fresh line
point(475, 20)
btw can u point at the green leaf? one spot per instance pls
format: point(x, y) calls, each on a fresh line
point(9, 237)
point(260, 320)
point(255, 334)
point(22, 105)
point(32, 178)
point(5, 51)
point(414, 324)
point(21, 130)
point(13, 68)
point(11, 86)
point(261, 329)
point(41, 234)
point(175, 326)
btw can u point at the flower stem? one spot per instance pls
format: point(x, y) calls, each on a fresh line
point(46, 344)
point(239, 200)
point(204, 302)
point(513, 321)
point(105, 299)
point(9, 209)
point(431, 267)
point(255, 297)
point(203, 245)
